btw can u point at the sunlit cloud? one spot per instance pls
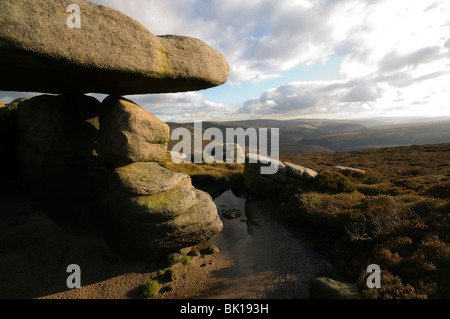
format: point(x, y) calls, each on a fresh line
point(395, 56)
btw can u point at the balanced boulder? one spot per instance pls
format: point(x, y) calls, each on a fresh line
point(129, 134)
point(110, 53)
point(93, 166)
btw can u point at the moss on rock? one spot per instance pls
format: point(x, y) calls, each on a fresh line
point(326, 288)
point(150, 289)
point(172, 201)
point(145, 178)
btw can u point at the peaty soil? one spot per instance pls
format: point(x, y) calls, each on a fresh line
point(269, 262)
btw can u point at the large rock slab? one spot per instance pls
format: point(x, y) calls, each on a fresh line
point(111, 53)
point(129, 134)
point(299, 173)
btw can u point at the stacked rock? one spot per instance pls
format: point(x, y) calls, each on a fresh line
point(148, 209)
point(91, 165)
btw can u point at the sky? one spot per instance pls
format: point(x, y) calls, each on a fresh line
point(289, 59)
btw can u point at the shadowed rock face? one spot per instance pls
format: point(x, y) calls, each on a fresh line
point(8, 138)
point(65, 126)
point(111, 53)
point(142, 210)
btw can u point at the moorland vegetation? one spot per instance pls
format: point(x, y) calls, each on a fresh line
point(395, 214)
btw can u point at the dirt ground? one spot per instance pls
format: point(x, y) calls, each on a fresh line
point(34, 252)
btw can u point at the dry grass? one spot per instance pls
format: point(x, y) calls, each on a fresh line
point(204, 175)
point(398, 217)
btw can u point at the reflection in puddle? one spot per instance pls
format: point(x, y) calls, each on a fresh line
point(235, 240)
point(235, 233)
point(267, 261)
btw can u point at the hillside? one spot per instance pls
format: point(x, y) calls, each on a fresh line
point(320, 135)
point(383, 136)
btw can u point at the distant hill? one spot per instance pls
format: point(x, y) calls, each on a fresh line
point(322, 135)
point(384, 136)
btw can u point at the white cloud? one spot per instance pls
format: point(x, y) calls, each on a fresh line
point(363, 92)
point(395, 54)
point(258, 37)
point(394, 61)
point(313, 97)
point(386, 46)
point(183, 107)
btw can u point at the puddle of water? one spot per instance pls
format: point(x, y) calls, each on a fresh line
point(267, 261)
point(234, 236)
